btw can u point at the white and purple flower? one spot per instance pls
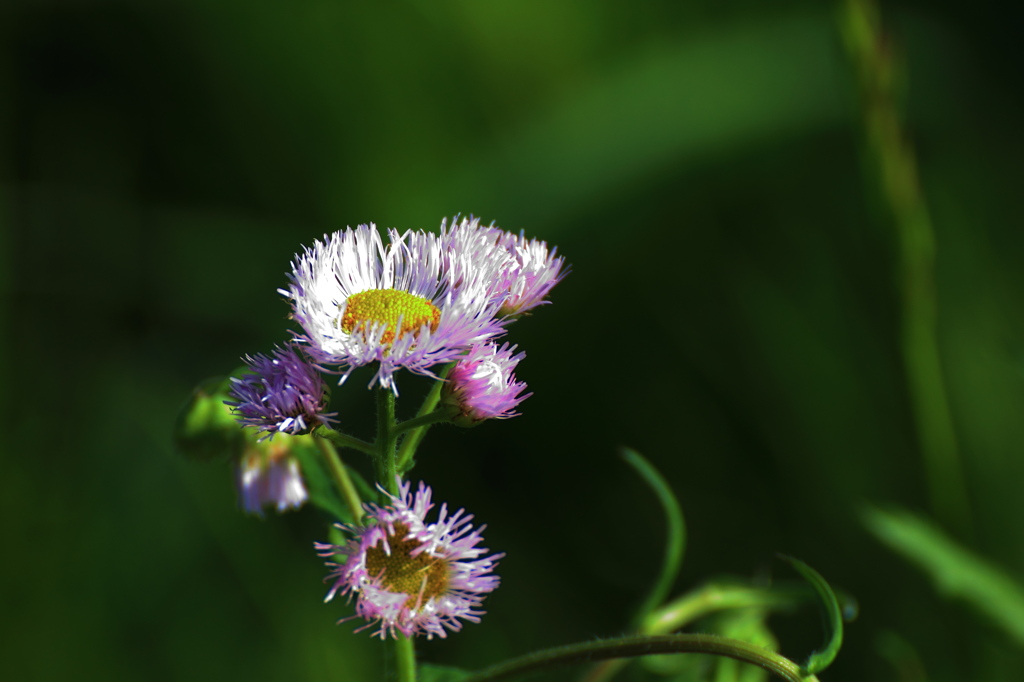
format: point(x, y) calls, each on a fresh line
point(413, 303)
point(483, 385)
point(409, 576)
point(529, 269)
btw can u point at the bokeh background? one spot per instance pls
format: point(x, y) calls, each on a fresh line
point(734, 313)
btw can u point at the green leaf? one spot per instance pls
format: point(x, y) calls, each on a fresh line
point(956, 571)
point(441, 673)
point(819, 660)
point(675, 532)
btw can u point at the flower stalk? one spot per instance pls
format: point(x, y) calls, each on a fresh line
point(405, 658)
point(343, 440)
point(895, 165)
point(341, 478)
point(384, 459)
point(438, 415)
point(412, 440)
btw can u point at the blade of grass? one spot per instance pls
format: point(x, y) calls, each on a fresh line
point(956, 571)
point(819, 660)
point(675, 534)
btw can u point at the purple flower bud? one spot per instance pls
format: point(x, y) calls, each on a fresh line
point(483, 385)
point(282, 393)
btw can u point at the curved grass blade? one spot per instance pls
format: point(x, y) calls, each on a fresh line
point(675, 532)
point(819, 660)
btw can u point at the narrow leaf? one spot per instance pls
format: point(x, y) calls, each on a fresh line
point(675, 532)
point(955, 570)
point(819, 660)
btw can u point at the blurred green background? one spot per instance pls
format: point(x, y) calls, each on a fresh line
point(733, 313)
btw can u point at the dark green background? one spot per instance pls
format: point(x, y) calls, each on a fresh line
point(732, 311)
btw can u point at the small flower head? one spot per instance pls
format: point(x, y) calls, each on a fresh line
point(409, 576)
point(534, 272)
point(281, 393)
point(483, 385)
point(268, 475)
point(412, 303)
point(529, 269)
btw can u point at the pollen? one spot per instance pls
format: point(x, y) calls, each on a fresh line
point(422, 576)
point(374, 307)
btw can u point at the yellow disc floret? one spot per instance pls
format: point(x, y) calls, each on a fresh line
point(422, 576)
point(386, 306)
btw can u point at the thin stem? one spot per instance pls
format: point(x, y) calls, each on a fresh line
point(628, 647)
point(405, 658)
point(384, 446)
point(412, 440)
point(343, 440)
point(714, 598)
point(896, 167)
point(426, 420)
point(341, 478)
point(709, 599)
point(387, 477)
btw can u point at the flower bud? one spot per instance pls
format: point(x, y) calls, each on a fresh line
point(268, 474)
point(205, 428)
point(482, 385)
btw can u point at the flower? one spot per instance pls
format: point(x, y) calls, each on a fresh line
point(413, 303)
point(482, 384)
point(280, 394)
point(529, 269)
point(409, 576)
point(269, 475)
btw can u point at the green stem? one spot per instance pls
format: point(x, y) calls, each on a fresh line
point(384, 446)
point(341, 478)
point(896, 167)
point(405, 658)
point(709, 599)
point(430, 419)
point(628, 647)
point(412, 440)
point(387, 476)
point(714, 598)
point(343, 440)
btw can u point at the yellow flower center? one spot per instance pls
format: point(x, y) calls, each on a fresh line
point(376, 306)
point(421, 576)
